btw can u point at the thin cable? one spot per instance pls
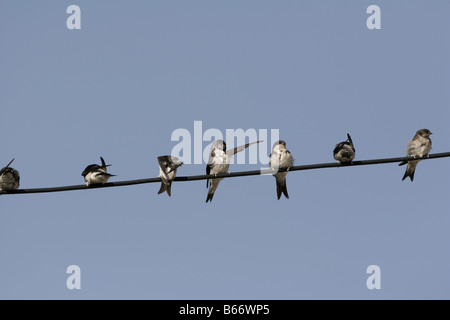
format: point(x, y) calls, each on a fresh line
point(225, 175)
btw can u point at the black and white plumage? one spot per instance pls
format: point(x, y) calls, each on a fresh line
point(219, 162)
point(168, 166)
point(344, 152)
point(95, 174)
point(419, 146)
point(9, 178)
point(281, 158)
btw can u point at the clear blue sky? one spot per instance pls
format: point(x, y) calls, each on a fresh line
point(138, 70)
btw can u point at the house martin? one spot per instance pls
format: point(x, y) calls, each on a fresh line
point(281, 158)
point(344, 152)
point(168, 166)
point(219, 162)
point(419, 146)
point(9, 178)
point(95, 174)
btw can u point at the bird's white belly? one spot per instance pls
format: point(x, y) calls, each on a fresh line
point(281, 162)
point(424, 150)
point(96, 178)
point(221, 163)
point(418, 148)
point(220, 168)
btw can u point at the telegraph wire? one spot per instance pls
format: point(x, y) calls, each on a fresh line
point(224, 175)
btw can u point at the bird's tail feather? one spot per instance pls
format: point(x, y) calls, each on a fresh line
point(282, 189)
point(166, 188)
point(209, 197)
point(162, 189)
point(107, 174)
point(212, 189)
point(410, 170)
point(10, 163)
point(104, 165)
point(350, 139)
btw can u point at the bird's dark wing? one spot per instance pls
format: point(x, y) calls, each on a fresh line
point(163, 162)
point(208, 171)
point(174, 166)
point(209, 166)
point(339, 147)
point(91, 168)
point(14, 172)
point(172, 163)
point(351, 142)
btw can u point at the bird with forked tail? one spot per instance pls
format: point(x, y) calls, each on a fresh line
point(95, 174)
point(9, 178)
point(281, 158)
point(344, 152)
point(419, 146)
point(168, 166)
point(219, 162)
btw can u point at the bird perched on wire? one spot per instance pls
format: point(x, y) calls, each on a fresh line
point(419, 146)
point(95, 174)
point(168, 166)
point(9, 178)
point(219, 162)
point(344, 152)
point(281, 158)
